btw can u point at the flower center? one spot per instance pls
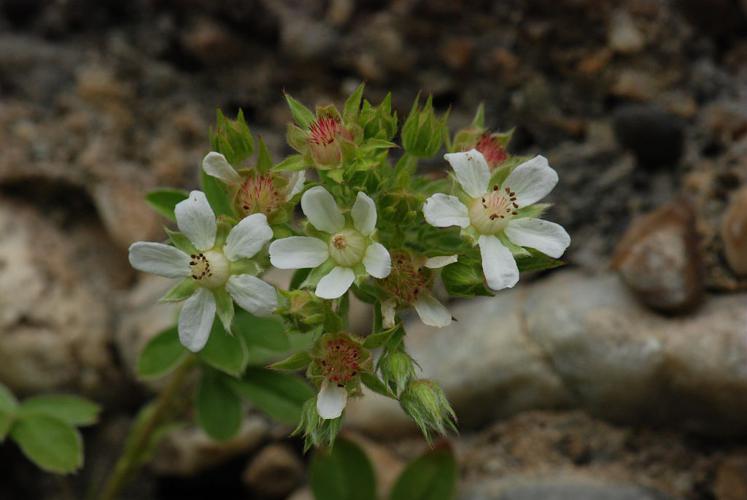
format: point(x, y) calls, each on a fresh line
point(347, 247)
point(493, 152)
point(407, 280)
point(341, 360)
point(259, 194)
point(210, 269)
point(324, 130)
point(490, 213)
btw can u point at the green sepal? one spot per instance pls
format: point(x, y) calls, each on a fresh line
point(181, 291)
point(301, 114)
point(352, 105)
point(294, 362)
point(375, 384)
point(291, 164)
point(479, 120)
point(224, 307)
point(537, 261)
point(312, 279)
point(245, 266)
point(516, 250)
point(232, 138)
point(180, 241)
point(532, 211)
point(465, 279)
point(264, 160)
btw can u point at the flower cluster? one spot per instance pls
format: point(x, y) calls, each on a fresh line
point(371, 228)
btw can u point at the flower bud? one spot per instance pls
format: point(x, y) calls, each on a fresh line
point(316, 430)
point(423, 132)
point(378, 122)
point(426, 403)
point(232, 138)
point(396, 368)
point(326, 140)
point(307, 309)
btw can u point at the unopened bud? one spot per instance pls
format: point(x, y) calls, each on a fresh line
point(397, 369)
point(423, 132)
point(426, 403)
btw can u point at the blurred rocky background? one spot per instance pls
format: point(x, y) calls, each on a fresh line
point(622, 376)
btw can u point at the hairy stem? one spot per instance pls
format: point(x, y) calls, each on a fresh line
point(142, 432)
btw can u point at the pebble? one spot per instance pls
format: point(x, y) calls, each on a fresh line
point(658, 259)
point(274, 472)
point(734, 232)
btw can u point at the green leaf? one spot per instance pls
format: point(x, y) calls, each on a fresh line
point(294, 362)
point(73, 410)
point(225, 352)
point(264, 337)
point(301, 114)
point(378, 339)
point(537, 261)
point(464, 279)
point(372, 382)
point(164, 200)
point(342, 473)
point(219, 411)
point(181, 291)
point(280, 395)
point(55, 446)
point(216, 194)
point(161, 354)
point(8, 404)
point(433, 476)
point(479, 119)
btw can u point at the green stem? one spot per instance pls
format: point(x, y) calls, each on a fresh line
point(141, 433)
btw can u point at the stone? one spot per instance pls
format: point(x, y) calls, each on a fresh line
point(54, 321)
point(731, 478)
point(734, 232)
point(187, 451)
point(623, 35)
point(275, 471)
point(655, 136)
point(387, 466)
point(577, 341)
point(560, 488)
point(658, 258)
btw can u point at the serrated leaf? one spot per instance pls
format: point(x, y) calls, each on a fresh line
point(161, 354)
point(225, 352)
point(342, 473)
point(71, 409)
point(219, 411)
point(294, 362)
point(53, 445)
point(301, 114)
point(164, 200)
point(280, 395)
point(433, 476)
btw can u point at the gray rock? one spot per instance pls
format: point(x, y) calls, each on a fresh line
point(561, 488)
point(575, 341)
point(734, 232)
point(275, 471)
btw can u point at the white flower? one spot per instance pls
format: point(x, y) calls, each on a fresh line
point(331, 400)
point(348, 249)
point(493, 212)
point(213, 274)
point(255, 192)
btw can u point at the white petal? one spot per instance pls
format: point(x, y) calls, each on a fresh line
point(441, 261)
point(442, 210)
point(298, 252)
point(331, 400)
point(471, 171)
point(253, 294)
point(295, 181)
point(547, 237)
point(196, 220)
point(216, 165)
point(377, 261)
point(431, 311)
point(388, 312)
point(364, 214)
point(498, 263)
point(335, 283)
point(321, 210)
point(196, 319)
point(531, 181)
point(160, 259)
point(247, 237)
